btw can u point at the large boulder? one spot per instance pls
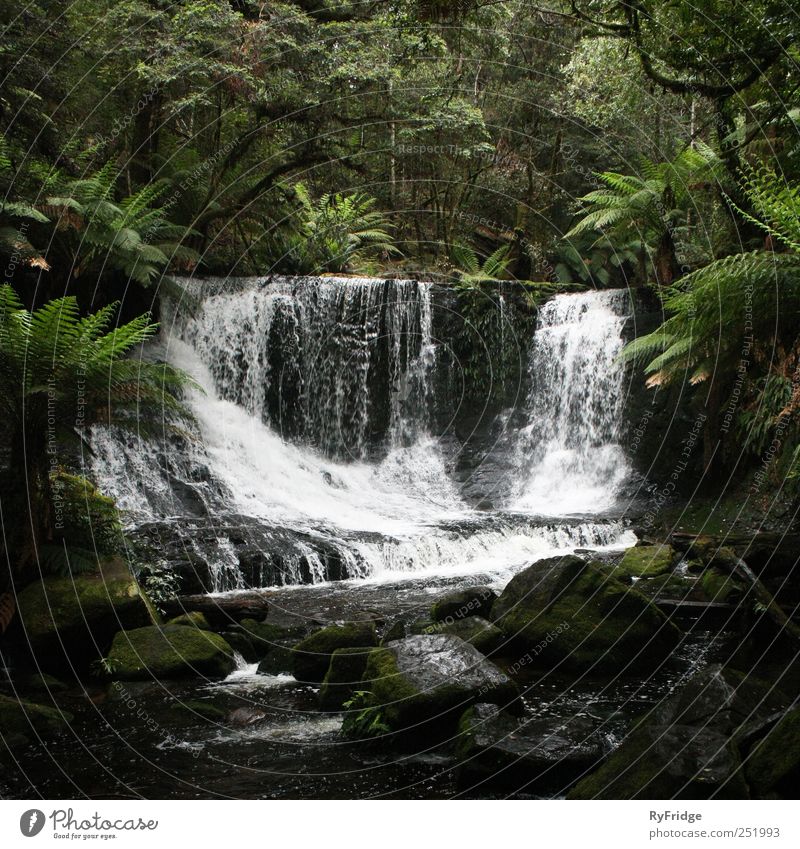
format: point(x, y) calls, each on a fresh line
point(487, 638)
point(172, 651)
point(312, 656)
point(426, 677)
point(566, 612)
point(497, 751)
point(686, 747)
point(70, 622)
point(460, 604)
point(773, 766)
point(343, 677)
point(22, 720)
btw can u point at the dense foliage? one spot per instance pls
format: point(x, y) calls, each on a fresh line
point(561, 143)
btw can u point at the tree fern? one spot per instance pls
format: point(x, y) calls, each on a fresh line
point(60, 373)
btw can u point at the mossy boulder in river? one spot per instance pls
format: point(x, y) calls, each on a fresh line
point(645, 561)
point(432, 678)
point(312, 656)
point(343, 677)
point(566, 612)
point(497, 751)
point(22, 719)
point(71, 621)
point(687, 746)
point(773, 766)
point(172, 651)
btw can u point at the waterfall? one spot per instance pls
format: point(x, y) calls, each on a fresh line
point(311, 456)
point(337, 362)
point(568, 453)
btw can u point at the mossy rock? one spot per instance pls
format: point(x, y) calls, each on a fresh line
point(423, 679)
point(263, 635)
point(242, 644)
point(773, 766)
point(41, 682)
point(28, 719)
point(194, 619)
point(279, 660)
point(79, 615)
point(343, 678)
point(565, 612)
point(721, 587)
point(668, 762)
point(172, 651)
point(645, 561)
point(461, 604)
point(312, 656)
point(686, 746)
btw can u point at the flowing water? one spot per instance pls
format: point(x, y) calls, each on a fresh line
point(313, 434)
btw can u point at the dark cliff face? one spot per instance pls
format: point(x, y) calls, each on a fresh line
point(663, 425)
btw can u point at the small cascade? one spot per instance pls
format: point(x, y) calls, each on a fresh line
point(568, 454)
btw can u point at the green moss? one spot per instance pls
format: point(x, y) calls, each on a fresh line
point(312, 656)
point(776, 759)
point(389, 688)
point(343, 677)
point(581, 618)
point(264, 635)
point(65, 606)
point(173, 651)
point(645, 561)
point(23, 717)
point(194, 619)
point(718, 586)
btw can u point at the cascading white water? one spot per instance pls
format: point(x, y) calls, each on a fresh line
point(349, 363)
point(569, 452)
point(325, 359)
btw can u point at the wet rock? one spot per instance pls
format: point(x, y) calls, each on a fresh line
point(425, 678)
point(773, 766)
point(488, 639)
point(497, 752)
point(264, 635)
point(566, 612)
point(245, 716)
point(173, 651)
point(343, 678)
point(24, 720)
point(686, 747)
point(40, 682)
point(396, 631)
point(473, 601)
point(279, 659)
point(312, 656)
point(70, 622)
point(242, 644)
